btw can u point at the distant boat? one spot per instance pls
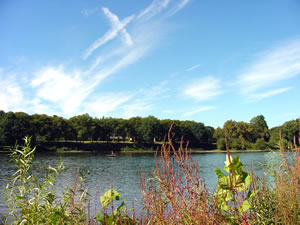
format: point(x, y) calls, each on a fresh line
point(112, 154)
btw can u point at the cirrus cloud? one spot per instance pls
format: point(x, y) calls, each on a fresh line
point(281, 63)
point(203, 89)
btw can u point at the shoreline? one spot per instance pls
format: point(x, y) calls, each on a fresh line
point(140, 151)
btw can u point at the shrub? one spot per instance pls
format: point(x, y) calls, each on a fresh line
point(31, 197)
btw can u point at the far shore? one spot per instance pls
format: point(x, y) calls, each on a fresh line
point(149, 151)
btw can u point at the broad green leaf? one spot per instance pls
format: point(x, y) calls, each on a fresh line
point(248, 180)
point(99, 218)
point(224, 183)
point(246, 205)
point(109, 220)
point(236, 163)
point(120, 208)
point(219, 173)
point(108, 196)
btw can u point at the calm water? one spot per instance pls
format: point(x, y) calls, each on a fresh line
point(122, 171)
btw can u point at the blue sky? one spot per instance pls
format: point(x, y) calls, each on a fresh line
point(208, 61)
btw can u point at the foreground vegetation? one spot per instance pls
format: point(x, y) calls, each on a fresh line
point(173, 193)
point(139, 132)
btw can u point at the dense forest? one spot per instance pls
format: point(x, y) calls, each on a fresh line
point(241, 135)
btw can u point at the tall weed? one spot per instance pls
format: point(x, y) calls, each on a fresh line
point(31, 197)
point(174, 193)
point(278, 199)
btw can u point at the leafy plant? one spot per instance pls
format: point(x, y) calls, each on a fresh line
point(31, 197)
point(116, 216)
point(234, 194)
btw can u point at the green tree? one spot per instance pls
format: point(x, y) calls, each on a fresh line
point(199, 133)
point(260, 128)
point(219, 136)
point(290, 130)
point(149, 129)
point(260, 144)
point(274, 141)
point(120, 129)
point(164, 126)
point(238, 135)
point(43, 128)
point(110, 125)
point(7, 128)
point(132, 128)
point(60, 127)
point(82, 124)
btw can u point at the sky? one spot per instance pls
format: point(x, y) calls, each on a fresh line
point(209, 61)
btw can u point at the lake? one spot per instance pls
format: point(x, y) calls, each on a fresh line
point(122, 172)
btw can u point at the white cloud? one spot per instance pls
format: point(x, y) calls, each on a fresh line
point(70, 92)
point(145, 101)
point(106, 103)
point(146, 36)
point(267, 94)
point(94, 65)
point(11, 94)
point(123, 59)
point(192, 68)
point(203, 89)
point(67, 91)
point(137, 108)
point(276, 65)
point(198, 110)
point(154, 8)
point(157, 6)
point(178, 7)
point(37, 106)
point(117, 27)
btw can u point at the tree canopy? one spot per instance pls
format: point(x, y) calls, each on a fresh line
point(254, 134)
point(44, 128)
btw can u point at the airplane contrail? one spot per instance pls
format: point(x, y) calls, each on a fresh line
point(117, 27)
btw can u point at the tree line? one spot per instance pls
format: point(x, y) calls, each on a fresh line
point(257, 135)
point(241, 135)
point(43, 128)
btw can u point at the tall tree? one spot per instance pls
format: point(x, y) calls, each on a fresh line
point(43, 128)
point(8, 129)
point(260, 128)
point(149, 129)
point(82, 124)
